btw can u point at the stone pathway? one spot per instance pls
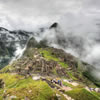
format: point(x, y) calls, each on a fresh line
point(60, 89)
point(66, 88)
point(71, 82)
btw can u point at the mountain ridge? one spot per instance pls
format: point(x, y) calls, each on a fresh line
point(33, 72)
point(57, 55)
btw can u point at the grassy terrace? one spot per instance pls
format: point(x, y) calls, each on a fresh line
point(82, 94)
point(95, 93)
point(47, 54)
point(69, 85)
point(15, 85)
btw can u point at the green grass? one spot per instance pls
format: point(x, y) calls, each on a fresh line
point(95, 93)
point(54, 71)
point(71, 75)
point(47, 54)
point(82, 94)
point(21, 88)
point(9, 78)
point(6, 69)
point(69, 85)
point(22, 82)
point(75, 75)
point(63, 64)
point(39, 91)
point(1, 94)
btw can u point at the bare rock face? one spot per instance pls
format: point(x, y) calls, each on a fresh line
point(54, 25)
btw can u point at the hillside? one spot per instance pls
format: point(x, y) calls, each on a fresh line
point(29, 78)
point(10, 43)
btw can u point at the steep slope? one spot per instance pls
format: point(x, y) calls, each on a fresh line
point(50, 61)
point(81, 94)
point(13, 43)
point(40, 64)
point(10, 43)
point(18, 88)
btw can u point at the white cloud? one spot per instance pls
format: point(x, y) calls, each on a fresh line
point(34, 12)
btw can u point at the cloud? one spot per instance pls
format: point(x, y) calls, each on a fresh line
point(79, 21)
point(28, 13)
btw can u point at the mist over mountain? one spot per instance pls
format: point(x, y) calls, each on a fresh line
point(82, 46)
point(76, 29)
point(86, 48)
point(50, 49)
point(76, 19)
point(12, 44)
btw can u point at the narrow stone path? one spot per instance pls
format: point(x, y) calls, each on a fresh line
point(66, 88)
point(60, 89)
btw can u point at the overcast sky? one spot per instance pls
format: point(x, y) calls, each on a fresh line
point(30, 14)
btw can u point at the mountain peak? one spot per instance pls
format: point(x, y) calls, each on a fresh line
point(3, 29)
point(54, 25)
